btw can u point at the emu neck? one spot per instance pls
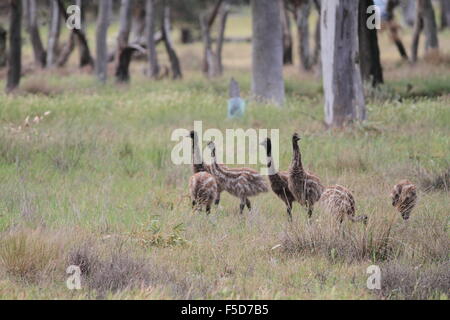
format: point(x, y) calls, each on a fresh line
point(270, 164)
point(197, 161)
point(297, 155)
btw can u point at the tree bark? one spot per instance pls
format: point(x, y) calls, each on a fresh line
point(430, 26)
point(223, 16)
point(425, 20)
point(211, 58)
point(418, 27)
point(287, 35)
point(369, 51)
point(174, 61)
point(85, 54)
point(103, 20)
point(123, 65)
point(409, 11)
point(343, 88)
point(3, 55)
point(53, 35)
point(302, 12)
point(445, 14)
point(316, 56)
point(66, 51)
point(153, 65)
point(267, 52)
point(138, 25)
point(393, 28)
point(15, 45)
point(31, 9)
point(124, 24)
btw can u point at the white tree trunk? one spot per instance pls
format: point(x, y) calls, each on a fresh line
point(104, 13)
point(267, 52)
point(153, 65)
point(343, 88)
point(53, 35)
point(430, 26)
point(124, 24)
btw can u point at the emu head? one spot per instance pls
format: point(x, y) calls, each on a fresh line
point(296, 137)
point(267, 143)
point(193, 135)
point(212, 147)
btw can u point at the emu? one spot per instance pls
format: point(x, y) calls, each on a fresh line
point(278, 180)
point(339, 202)
point(199, 166)
point(305, 186)
point(203, 190)
point(404, 198)
point(239, 182)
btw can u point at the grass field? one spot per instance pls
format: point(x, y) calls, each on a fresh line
point(91, 183)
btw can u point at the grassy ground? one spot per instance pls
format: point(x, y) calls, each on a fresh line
point(92, 183)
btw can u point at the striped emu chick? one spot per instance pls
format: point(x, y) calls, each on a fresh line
point(278, 180)
point(404, 198)
point(198, 165)
point(305, 186)
point(339, 202)
point(239, 182)
point(203, 189)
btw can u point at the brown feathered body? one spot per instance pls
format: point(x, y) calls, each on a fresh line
point(203, 190)
point(339, 202)
point(199, 166)
point(404, 198)
point(278, 180)
point(305, 186)
point(239, 182)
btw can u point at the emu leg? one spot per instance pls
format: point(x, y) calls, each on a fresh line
point(193, 204)
point(310, 210)
point(289, 210)
point(208, 209)
point(217, 201)
point(249, 205)
point(242, 206)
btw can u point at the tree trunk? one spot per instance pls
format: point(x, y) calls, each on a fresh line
point(343, 89)
point(430, 27)
point(153, 66)
point(418, 27)
point(174, 62)
point(31, 9)
point(3, 55)
point(85, 54)
point(409, 11)
point(425, 20)
point(211, 64)
point(223, 16)
point(267, 52)
point(445, 14)
point(138, 25)
point(302, 12)
point(393, 28)
point(123, 65)
point(15, 45)
point(124, 24)
point(103, 19)
point(66, 51)
point(287, 35)
point(369, 52)
point(316, 56)
point(53, 35)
